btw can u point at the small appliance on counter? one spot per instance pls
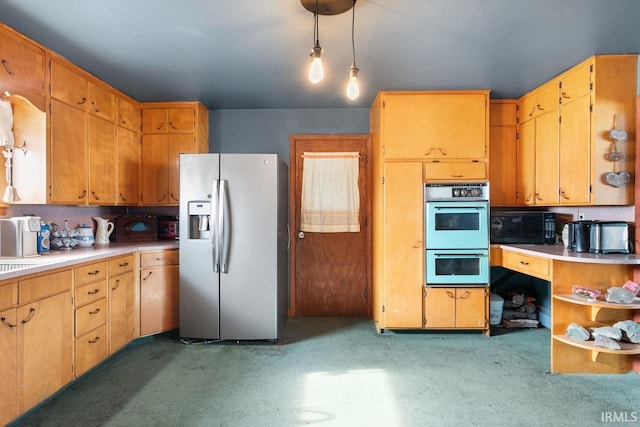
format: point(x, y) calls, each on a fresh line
point(580, 235)
point(168, 228)
point(136, 228)
point(19, 236)
point(523, 227)
point(610, 237)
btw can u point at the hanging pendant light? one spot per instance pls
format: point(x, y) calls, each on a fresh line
point(316, 73)
point(353, 87)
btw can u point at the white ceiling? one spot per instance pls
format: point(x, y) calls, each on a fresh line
point(254, 54)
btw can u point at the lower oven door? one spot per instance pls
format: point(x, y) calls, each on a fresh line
point(457, 267)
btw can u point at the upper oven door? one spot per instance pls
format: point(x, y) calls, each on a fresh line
point(457, 225)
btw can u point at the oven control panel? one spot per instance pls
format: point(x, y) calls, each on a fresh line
point(457, 191)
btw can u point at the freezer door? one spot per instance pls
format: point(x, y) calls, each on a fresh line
point(249, 286)
point(199, 283)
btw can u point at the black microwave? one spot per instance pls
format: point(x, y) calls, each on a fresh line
point(526, 227)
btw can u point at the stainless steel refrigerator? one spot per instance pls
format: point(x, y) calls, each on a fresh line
point(233, 246)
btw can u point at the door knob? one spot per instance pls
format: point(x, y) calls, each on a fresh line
point(300, 234)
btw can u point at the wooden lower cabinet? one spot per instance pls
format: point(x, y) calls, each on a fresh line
point(8, 365)
point(159, 291)
point(122, 295)
point(456, 308)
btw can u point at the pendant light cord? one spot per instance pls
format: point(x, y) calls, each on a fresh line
point(316, 29)
point(353, 24)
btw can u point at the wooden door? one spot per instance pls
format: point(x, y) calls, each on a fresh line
point(330, 272)
point(547, 158)
point(525, 163)
point(158, 299)
point(128, 158)
point(440, 308)
point(470, 307)
point(154, 169)
point(409, 126)
point(575, 152)
point(8, 365)
point(102, 161)
point(461, 126)
point(181, 143)
point(121, 301)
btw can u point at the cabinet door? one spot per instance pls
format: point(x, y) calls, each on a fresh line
point(409, 126)
point(471, 308)
point(102, 102)
point(154, 120)
point(8, 365)
point(22, 64)
point(575, 84)
point(502, 165)
point(547, 158)
point(102, 164)
point(403, 245)
point(461, 126)
point(128, 114)
point(183, 143)
point(525, 163)
point(128, 159)
point(181, 120)
point(158, 299)
point(45, 348)
point(575, 152)
point(68, 86)
point(68, 160)
point(121, 313)
point(440, 308)
point(154, 170)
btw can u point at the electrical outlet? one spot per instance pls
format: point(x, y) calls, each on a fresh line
point(580, 216)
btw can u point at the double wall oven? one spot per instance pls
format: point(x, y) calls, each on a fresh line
point(456, 234)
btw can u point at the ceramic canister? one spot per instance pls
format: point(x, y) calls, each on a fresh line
point(85, 235)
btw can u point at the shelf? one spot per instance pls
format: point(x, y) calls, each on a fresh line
point(596, 305)
point(628, 349)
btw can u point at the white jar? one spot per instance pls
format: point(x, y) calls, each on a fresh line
point(85, 235)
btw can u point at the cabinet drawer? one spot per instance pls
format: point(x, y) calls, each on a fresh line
point(8, 295)
point(454, 170)
point(156, 259)
point(43, 286)
point(527, 264)
point(120, 265)
point(90, 273)
point(91, 292)
point(91, 349)
point(91, 316)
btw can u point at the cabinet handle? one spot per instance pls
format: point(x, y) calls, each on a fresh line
point(122, 121)
point(565, 96)
point(96, 109)
point(95, 340)
point(5, 64)
point(465, 295)
point(96, 311)
point(457, 176)
point(4, 320)
point(117, 285)
point(444, 153)
point(147, 276)
point(524, 263)
point(450, 295)
point(124, 199)
point(94, 292)
point(93, 273)
point(172, 125)
point(528, 198)
point(124, 264)
point(429, 152)
point(174, 197)
point(533, 110)
point(564, 195)
point(539, 107)
point(538, 197)
point(32, 312)
point(82, 196)
point(160, 126)
point(164, 196)
point(417, 244)
point(84, 99)
point(95, 196)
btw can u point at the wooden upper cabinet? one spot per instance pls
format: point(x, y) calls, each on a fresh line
point(539, 101)
point(102, 102)
point(576, 83)
point(21, 63)
point(67, 85)
point(168, 120)
point(128, 114)
point(502, 151)
point(435, 125)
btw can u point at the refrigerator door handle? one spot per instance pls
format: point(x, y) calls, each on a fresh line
point(215, 233)
point(225, 226)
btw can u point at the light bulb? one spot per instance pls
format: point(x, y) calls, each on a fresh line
point(316, 73)
point(353, 88)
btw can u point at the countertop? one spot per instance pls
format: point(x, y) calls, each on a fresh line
point(78, 255)
point(559, 252)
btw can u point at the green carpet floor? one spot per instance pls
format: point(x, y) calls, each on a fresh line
point(339, 372)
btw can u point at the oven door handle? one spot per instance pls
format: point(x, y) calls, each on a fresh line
point(466, 255)
point(478, 208)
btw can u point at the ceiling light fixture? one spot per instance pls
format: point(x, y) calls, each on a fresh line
point(316, 73)
point(353, 88)
point(331, 7)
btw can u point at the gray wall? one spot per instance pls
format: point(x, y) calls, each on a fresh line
point(268, 131)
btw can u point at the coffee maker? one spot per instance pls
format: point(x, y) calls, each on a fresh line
point(580, 235)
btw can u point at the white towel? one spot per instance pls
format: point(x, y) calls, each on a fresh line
point(330, 194)
point(6, 123)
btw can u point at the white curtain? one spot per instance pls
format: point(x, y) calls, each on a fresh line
point(330, 194)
